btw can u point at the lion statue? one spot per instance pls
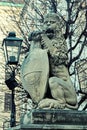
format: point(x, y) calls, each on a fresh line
point(44, 72)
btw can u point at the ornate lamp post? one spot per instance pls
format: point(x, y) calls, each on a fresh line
point(12, 48)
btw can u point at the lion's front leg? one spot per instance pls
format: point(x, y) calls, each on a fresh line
point(50, 103)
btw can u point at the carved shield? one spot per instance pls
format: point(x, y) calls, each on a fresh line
point(34, 74)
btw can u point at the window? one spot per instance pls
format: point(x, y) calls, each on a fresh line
point(8, 102)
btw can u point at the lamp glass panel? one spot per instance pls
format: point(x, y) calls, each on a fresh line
point(12, 53)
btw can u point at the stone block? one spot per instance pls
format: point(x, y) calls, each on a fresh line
point(57, 120)
point(61, 117)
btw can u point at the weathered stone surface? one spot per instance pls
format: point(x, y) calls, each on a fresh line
point(33, 75)
point(61, 117)
point(35, 78)
point(49, 127)
point(57, 120)
point(53, 127)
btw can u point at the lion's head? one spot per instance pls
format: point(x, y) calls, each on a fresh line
point(52, 24)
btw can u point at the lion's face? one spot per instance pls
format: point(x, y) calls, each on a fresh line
point(50, 26)
point(50, 23)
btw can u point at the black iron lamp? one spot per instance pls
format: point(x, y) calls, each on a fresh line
point(12, 47)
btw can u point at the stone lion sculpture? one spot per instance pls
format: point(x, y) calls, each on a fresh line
point(44, 71)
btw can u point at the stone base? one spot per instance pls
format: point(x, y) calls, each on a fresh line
point(60, 117)
point(56, 120)
point(52, 127)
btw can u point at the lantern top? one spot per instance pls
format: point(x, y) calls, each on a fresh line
point(12, 37)
point(12, 34)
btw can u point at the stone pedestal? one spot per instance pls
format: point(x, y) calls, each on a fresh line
point(56, 120)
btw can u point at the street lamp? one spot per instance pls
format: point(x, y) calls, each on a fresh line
point(12, 48)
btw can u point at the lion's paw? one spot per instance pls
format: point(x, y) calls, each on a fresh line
point(50, 103)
